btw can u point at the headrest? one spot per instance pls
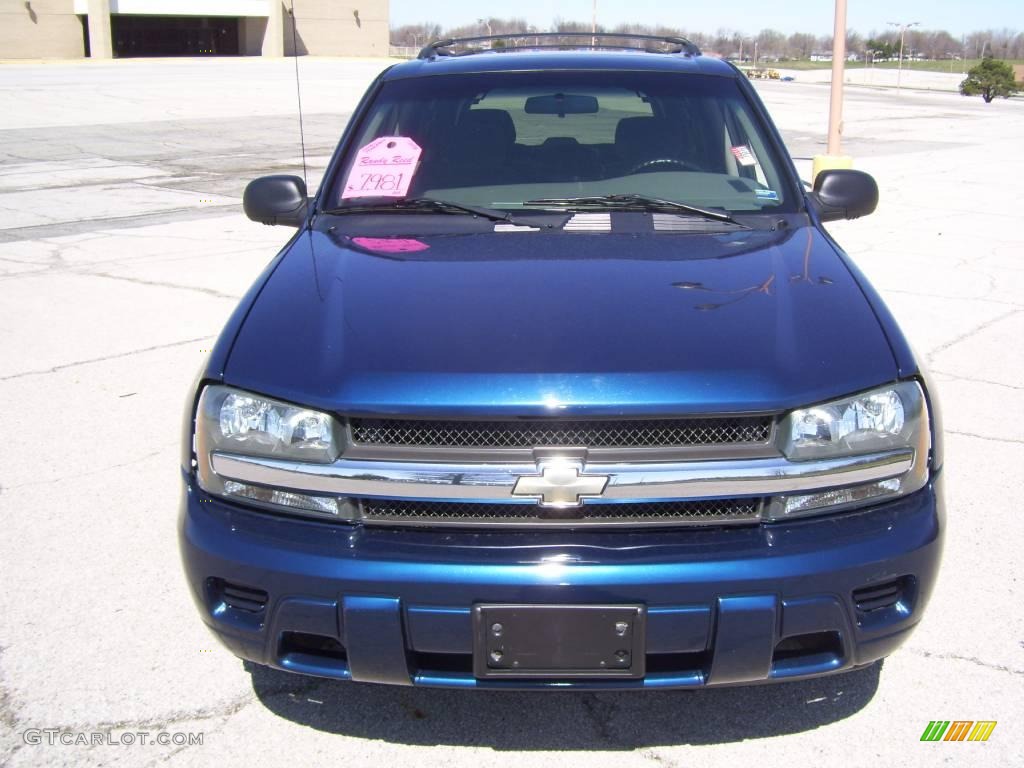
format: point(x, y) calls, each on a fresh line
point(636, 132)
point(490, 125)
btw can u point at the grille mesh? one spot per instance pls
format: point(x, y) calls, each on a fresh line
point(707, 512)
point(639, 433)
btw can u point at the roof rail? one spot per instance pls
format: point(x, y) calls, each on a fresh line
point(440, 47)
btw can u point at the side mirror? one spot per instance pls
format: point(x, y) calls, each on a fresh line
point(841, 194)
point(276, 200)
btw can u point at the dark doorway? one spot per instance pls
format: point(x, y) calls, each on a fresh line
point(175, 35)
point(85, 35)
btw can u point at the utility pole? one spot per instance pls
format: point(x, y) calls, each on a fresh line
point(593, 25)
point(903, 33)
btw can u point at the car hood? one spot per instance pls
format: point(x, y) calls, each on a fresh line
point(536, 323)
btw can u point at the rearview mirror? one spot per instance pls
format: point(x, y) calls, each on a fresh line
point(844, 194)
point(276, 200)
point(561, 104)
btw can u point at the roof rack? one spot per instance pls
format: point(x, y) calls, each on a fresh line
point(440, 47)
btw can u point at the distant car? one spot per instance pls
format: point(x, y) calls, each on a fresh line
point(561, 383)
point(788, 79)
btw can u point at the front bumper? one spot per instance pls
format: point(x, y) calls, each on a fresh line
point(723, 606)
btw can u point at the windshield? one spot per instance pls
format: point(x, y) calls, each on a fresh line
point(526, 141)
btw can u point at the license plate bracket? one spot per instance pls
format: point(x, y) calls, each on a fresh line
point(559, 641)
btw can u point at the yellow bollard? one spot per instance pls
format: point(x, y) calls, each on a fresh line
point(828, 163)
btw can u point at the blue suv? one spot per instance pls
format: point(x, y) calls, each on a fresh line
point(561, 383)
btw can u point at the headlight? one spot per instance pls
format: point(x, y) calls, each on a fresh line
point(880, 420)
point(231, 421)
point(891, 418)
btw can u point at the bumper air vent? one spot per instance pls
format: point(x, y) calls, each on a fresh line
point(246, 599)
point(879, 596)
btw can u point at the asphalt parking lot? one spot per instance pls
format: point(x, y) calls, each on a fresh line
point(123, 249)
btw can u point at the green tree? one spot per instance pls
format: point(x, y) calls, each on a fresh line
point(883, 48)
point(989, 79)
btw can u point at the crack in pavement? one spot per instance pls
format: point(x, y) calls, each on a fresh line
point(91, 472)
point(227, 710)
point(957, 377)
point(59, 266)
point(84, 226)
point(984, 437)
point(115, 356)
point(968, 659)
point(964, 336)
point(984, 298)
point(160, 284)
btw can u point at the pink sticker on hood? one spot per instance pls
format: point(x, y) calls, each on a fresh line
point(383, 168)
point(390, 244)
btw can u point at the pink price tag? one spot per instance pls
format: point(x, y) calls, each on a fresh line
point(383, 168)
point(390, 244)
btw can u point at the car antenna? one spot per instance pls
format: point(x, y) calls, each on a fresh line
point(298, 93)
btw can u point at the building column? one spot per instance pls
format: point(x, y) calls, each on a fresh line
point(101, 43)
point(273, 40)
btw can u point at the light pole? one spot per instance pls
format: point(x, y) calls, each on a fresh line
point(593, 25)
point(755, 42)
point(835, 112)
point(870, 55)
point(903, 32)
point(834, 159)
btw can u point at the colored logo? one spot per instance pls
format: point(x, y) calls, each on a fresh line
point(958, 730)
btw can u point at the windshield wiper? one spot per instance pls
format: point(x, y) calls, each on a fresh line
point(424, 205)
point(627, 201)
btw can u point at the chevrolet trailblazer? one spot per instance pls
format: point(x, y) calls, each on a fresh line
point(562, 383)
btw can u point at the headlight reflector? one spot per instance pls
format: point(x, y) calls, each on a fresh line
point(252, 425)
point(883, 419)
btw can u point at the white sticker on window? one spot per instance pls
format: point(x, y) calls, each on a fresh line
point(743, 155)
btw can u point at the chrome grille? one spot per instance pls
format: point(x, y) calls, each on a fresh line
point(701, 512)
point(636, 433)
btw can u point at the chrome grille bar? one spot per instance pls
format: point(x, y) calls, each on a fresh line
point(625, 482)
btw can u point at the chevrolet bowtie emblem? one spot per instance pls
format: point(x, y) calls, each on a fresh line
point(560, 484)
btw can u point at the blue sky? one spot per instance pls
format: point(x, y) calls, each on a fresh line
point(743, 15)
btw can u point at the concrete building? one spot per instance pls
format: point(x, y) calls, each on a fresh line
point(42, 29)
